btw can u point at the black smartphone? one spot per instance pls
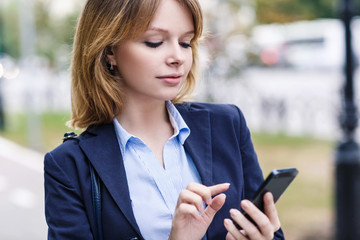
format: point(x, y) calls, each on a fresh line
point(276, 183)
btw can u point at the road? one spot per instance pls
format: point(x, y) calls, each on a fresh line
point(21, 193)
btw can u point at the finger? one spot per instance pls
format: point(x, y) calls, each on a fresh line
point(217, 202)
point(229, 237)
point(207, 192)
point(185, 209)
point(233, 232)
point(219, 188)
point(190, 197)
point(201, 190)
point(270, 211)
point(214, 207)
point(248, 227)
point(263, 225)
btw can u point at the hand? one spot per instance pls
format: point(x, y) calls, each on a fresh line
point(267, 223)
point(191, 220)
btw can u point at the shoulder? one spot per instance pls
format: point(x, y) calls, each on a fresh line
point(68, 147)
point(72, 145)
point(229, 111)
point(74, 148)
point(63, 159)
point(69, 155)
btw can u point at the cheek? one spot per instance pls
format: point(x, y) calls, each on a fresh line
point(132, 63)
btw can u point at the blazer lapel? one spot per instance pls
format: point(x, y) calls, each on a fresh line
point(104, 154)
point(198, 144)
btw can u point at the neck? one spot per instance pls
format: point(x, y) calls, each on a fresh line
point(141, 117)
point(149, 121)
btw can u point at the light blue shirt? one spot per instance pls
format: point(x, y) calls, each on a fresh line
point(154, 189)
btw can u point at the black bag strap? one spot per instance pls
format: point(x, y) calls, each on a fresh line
point(95, 192)
point(96, 198)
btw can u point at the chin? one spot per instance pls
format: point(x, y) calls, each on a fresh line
point(169, 96)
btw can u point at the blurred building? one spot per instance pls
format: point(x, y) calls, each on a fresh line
point(317, 44)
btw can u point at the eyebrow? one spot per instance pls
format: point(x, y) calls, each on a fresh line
point(151, 28)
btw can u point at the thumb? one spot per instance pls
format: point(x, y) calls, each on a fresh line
point(216, 204)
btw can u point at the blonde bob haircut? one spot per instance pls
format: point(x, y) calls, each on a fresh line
point(96, 92)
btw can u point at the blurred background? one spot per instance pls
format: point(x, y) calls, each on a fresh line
point(281, 62)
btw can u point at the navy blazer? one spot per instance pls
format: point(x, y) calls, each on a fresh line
point(219, 144)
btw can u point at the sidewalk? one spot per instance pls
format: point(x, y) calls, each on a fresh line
point(21, 193)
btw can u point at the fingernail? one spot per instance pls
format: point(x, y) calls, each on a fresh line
point(269, 195)
point(227, 222)
point(244, 204)
point(225, 185)
point(233, 212)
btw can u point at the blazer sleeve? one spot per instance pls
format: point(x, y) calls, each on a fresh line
point(64, 209)
point(253, 176)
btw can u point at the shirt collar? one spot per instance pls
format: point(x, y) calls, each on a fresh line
point(178, 123)
point(122, 135)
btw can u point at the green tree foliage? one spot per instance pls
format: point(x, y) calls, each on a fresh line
point(282, 11)
point(54, 35)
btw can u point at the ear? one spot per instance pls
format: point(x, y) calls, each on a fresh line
point(110, 56)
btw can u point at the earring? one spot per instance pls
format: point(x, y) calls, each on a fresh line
point(111, 67)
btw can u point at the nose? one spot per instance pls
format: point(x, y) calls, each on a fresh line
point(176, 55)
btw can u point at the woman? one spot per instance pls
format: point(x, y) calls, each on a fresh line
point(168, 169)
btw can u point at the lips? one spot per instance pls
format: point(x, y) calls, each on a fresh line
point(172, 79)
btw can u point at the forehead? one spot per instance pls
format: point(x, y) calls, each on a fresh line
point(172, 15)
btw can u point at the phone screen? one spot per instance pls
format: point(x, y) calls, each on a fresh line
point(276, 183)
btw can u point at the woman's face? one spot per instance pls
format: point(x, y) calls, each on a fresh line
point(155, 65)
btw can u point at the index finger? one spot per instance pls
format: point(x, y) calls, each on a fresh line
point(207, 192)
point(219, 188)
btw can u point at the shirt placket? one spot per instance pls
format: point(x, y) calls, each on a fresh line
point(158, 174)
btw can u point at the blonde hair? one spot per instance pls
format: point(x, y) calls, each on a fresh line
point(96, 93)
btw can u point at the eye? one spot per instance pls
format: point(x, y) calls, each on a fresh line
point(185, 45)
point(153, 44)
